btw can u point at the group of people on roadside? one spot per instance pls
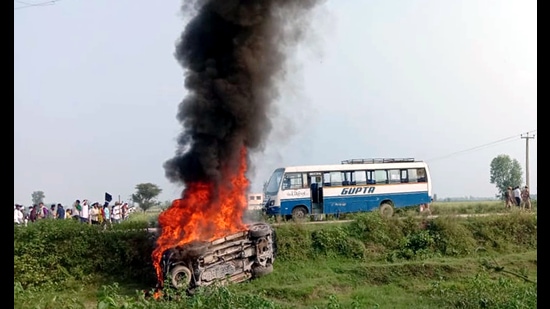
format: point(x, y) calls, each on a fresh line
point(91, 214)
point(518, 197)
point(100, 214)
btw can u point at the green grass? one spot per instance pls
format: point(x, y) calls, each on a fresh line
point(335, 283)
point(445, 208)
point(367, 285)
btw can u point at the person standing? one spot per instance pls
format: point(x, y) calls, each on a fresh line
point(517, 196)
point(117, 213)
point(18, 217)
point(508, 196)
point(124, 209)
point(106, 215)
point(42, 211)
point(52, 214)
point(85, 212)
point(60, 214)
point(94, 214)
point(525, 198)
point(33, 215)
point(77, 208)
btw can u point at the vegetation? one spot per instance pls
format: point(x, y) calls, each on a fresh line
point(37, 197)
point(370, 262)
point(145, 195)
point(505, 172)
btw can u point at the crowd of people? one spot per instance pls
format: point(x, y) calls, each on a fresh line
point(518, 197)
point(84, 212)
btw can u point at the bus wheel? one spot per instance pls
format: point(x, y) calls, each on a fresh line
point(299, 213)
point(386, 210)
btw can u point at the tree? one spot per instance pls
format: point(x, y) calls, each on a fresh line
point(145, 195)
point(505, 172)
point(37, 197)
point(165, 205)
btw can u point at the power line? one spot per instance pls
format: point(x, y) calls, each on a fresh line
point(500, 141)
point(26, 5)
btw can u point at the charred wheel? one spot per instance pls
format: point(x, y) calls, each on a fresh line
point(259, 271)
point(259, 230)
point(180, 277)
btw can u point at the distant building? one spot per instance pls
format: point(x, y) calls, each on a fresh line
point(255, 201)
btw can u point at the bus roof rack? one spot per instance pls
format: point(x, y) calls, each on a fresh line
point(378, 160)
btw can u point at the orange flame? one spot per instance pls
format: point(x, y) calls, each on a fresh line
point(205, 212)
point(157, 295)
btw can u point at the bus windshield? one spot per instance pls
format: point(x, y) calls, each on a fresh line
point(273, 185)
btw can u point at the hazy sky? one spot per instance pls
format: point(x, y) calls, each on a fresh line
point(96, 91)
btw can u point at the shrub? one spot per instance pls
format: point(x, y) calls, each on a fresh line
point(54, 251)
point(513, 232)
point(373, 228)
point(451, 237)
point(419, 244)
point(293, 242)
point(337, 242)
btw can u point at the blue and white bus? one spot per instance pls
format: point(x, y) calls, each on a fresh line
point(353, 186)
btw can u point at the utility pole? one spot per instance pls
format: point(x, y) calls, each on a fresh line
point(527, 137)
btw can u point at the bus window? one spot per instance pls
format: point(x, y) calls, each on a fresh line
point(421, 173)
point(371, 180)
point(359, 178)
point(380, 176)
point(404, 176)
point(274, 181)
point(394, 176)
point(346, 179)
point(326, 179)
point(315, 177)
point(412, 175)
point(292, 181)
point(335, 178)
point(305, 183)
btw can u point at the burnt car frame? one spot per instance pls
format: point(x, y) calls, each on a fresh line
point(234, 258)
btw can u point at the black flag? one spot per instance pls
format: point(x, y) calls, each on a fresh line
point(108, 197)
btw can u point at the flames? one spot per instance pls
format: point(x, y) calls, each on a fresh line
point(206, 211)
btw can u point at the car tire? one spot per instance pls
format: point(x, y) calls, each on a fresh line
point(259, 230)
point(260, 271)
point(180, 276)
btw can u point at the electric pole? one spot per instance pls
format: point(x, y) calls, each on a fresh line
point(527, 137)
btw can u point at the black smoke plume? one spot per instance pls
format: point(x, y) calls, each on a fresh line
point(233, 54)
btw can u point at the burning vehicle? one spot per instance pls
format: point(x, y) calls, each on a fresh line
point(233, 56)
point(234, 258)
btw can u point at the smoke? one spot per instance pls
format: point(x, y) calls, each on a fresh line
point(233, 53)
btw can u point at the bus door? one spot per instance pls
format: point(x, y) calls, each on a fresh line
point(316, 187)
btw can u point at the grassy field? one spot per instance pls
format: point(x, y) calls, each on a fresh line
point(370, 263)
